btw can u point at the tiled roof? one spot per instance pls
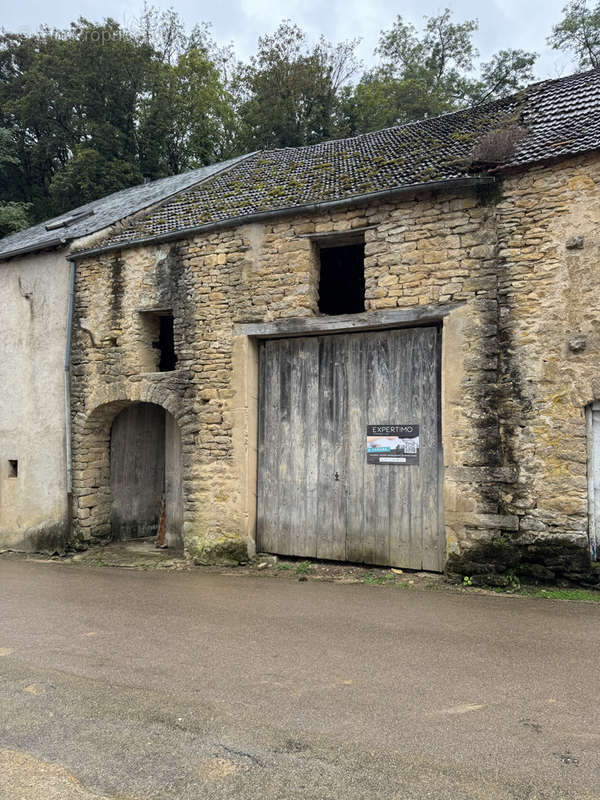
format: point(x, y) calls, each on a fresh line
point(560, 118)
point(106, 211)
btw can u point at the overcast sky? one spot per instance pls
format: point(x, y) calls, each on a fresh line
point(521, 24)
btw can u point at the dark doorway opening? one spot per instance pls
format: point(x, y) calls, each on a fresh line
point(342, 279)
point(166, 344)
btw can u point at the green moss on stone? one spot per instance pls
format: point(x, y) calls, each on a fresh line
point(500, 560)
point(224, 551)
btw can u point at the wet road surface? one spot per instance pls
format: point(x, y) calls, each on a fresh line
point(138, 685)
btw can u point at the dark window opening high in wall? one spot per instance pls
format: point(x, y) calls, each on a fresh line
point(166, 344)
point(157, 341)
point(342, 279)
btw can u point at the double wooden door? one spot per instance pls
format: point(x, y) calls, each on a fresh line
point(319, 494)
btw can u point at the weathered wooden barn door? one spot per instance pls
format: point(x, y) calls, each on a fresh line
point(320, 493)
point(137, 470)
point(593, 474)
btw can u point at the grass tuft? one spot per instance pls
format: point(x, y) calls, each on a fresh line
point(586, 595)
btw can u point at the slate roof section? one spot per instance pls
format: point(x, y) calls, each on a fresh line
point(562, 118)
point(106, 211)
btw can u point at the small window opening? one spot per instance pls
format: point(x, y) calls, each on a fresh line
point(342, 279)
point(13, 468)
point(157, 341)
point(166, 344)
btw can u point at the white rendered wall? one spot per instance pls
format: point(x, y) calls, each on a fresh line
point(33, 312)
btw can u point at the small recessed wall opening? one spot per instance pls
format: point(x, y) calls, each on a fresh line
point(166, 344)
point(158, 341)
point(342, 279)
point(13, 468)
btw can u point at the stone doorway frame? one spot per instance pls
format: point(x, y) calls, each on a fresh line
point(245, 393)
point(91, 503)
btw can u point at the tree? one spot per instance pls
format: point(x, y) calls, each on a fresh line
point(431, 72)
point(90, 174)
point(505, 73)
point(434, 66)
point(578, 33)
point(64, 92)
point(93, 109)
point(187, 117)
point(289, 93)
point(14, 216)
point(163, 31)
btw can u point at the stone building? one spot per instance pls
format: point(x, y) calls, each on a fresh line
point(34, 298)
point(244, 354)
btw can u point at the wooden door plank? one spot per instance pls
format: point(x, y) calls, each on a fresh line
point(302, 446)
point(356, 453)
point(262, 453)
point(377, 477)
point(336, 548)
point(326, 491)
point(370, 477)
point(416, 476)
point(427, 379)
point(310, 442)
point(402, 412)
point(268, 513)
point(382, 404)
point(284, 454)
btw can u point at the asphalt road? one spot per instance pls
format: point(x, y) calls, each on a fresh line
point(124, 684)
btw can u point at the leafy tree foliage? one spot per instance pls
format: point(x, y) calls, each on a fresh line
point(578, 33)
point(13, 215)
point(63, 94)
point(430, 72)
point(187, 117)
point(288, 94)
point(93, 109)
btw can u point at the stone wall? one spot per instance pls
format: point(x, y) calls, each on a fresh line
point(548, 254)
point(518, 357)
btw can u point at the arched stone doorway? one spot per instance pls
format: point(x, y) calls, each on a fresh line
point(146, 474)
point(95, 447)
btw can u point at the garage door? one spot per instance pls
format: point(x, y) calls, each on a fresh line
point(349, 448)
